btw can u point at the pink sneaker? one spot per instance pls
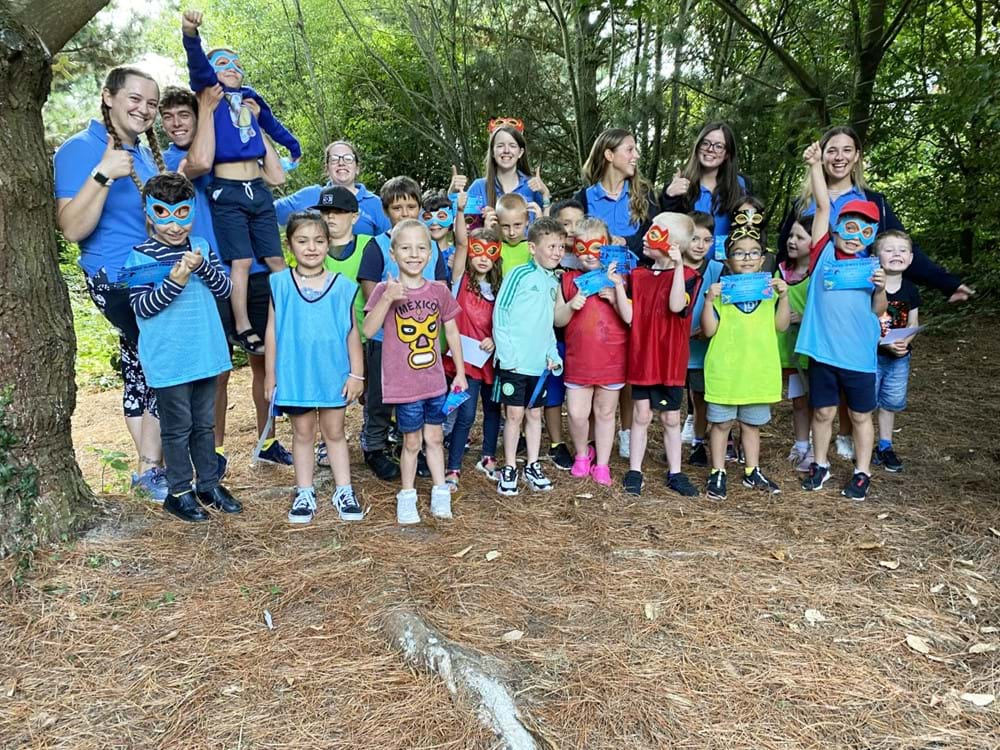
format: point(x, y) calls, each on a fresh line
point(581, 466)
point(601, 475)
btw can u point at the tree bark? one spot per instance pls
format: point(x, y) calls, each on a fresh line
point(37, 345)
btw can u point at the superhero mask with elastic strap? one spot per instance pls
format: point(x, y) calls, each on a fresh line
point(225, 60)
point(588, 247)
point(507, 122)
point(746, 224)
point(162, 213)
point(442, 217)
point(484, 247)
point(658, 238)
point(860, 230)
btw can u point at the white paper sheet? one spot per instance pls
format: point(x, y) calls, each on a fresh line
point(896, 334)
point(472, 354)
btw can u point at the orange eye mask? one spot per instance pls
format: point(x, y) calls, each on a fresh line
point(479, 248)
point(658, 239)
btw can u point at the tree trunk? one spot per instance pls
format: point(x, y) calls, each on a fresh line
point(42, 493)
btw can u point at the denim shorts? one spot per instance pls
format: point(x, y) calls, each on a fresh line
point(754, 415)
point(891, 382)
point(413, 416)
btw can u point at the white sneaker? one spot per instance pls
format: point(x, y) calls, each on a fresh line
point(623, 442)
point(845, 447)
point(687, 433)
point(440, 501)
point(406, 507)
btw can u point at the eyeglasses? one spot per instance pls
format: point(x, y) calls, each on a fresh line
point(746, 254)
point(341, 159)
point(712, 148)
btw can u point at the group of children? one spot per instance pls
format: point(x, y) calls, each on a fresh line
point(446, 315)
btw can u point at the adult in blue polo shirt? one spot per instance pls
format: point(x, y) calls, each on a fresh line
point(99, 173)
point(617, 193)
point(507, 168)
point(843, 167)
point(342, 167)
point(710, 181)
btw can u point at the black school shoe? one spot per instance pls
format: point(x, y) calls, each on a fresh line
point(699, 456)
point(185, 507)
point(220, 498)
point(382, 466)
point(680, 484)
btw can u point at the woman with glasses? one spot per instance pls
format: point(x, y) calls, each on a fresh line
point(342, 166)
point(710, 182)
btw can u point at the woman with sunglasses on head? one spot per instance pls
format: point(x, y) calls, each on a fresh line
point(710, 181)
point(99, 174)
point(343, 165)
point(843, 168)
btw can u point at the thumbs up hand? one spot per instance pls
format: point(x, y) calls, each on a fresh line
point(536, 184)
point(458, 181)
point(679, 185)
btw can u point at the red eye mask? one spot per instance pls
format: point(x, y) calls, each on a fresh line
point(490, 249)
point(588, 247)
point(658, 239)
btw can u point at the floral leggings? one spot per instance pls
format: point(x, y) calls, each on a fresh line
point(137, 397)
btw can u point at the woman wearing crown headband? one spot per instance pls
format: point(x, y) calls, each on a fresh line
point(710, 181)
point(99, 173)
point(844, 170)
point(507, 169)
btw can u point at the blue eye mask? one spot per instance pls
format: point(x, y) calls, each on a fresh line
point(858, 230)
point(224, 60)
point(161, 214)
point(442, 217)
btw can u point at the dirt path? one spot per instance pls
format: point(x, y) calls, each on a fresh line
point(650, 623)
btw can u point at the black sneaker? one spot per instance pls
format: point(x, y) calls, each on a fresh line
point(888, 460)
point(382, 466)
point(561, 457)
point(699, 456)
point(303, 506)
point(680, 484)
point(507, 481)
point(347, 505)
point(818, 476)
point(632, 482)
point(276, 453)
point(756, 480)
point(857, 488)
point(716, 488)
point(534, 475)
point(423, 470)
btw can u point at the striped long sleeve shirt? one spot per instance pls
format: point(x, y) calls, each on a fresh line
point(151, 299)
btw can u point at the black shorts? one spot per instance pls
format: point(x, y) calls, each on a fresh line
point(515, 389)
point(827, 381)
point(660, 397)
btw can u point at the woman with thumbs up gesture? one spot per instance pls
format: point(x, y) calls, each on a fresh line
point(507, 169)
point(710, 181)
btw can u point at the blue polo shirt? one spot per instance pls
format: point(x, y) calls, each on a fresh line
point(854, 194)
point(612, 211)
point(122, 225)
point(478, 189)
point(722, 220)
point(371, 218)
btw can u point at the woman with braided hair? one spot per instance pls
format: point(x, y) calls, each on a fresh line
point(99, 174)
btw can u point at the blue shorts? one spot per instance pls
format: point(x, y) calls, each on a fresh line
point(246, 225)
point(555, 388)
point(826, 382)
point(891, 382)
point(413, 416)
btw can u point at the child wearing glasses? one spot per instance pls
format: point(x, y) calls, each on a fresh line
point(242, 204)
point(742, 365)
point(840, 331)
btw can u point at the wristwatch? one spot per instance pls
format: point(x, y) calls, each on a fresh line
point(101, 178)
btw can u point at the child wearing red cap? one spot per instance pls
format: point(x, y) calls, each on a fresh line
point(840, 332)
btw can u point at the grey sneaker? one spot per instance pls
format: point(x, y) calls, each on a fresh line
point(536, 479)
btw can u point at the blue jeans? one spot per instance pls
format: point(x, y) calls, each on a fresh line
point(466, 418)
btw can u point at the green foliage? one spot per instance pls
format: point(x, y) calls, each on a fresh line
point(117, 463)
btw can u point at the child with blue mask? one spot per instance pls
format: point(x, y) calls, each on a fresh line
point(174, 280)
point(439, 217)
point(242, 204)
point(840, 331)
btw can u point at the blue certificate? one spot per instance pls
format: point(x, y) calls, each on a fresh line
point(454, 400)
point(473, 204)
point(147, 273)
point(720, 247)
point(746, 287)
point(592, 282)
point(855, 273)
point(618, 254)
